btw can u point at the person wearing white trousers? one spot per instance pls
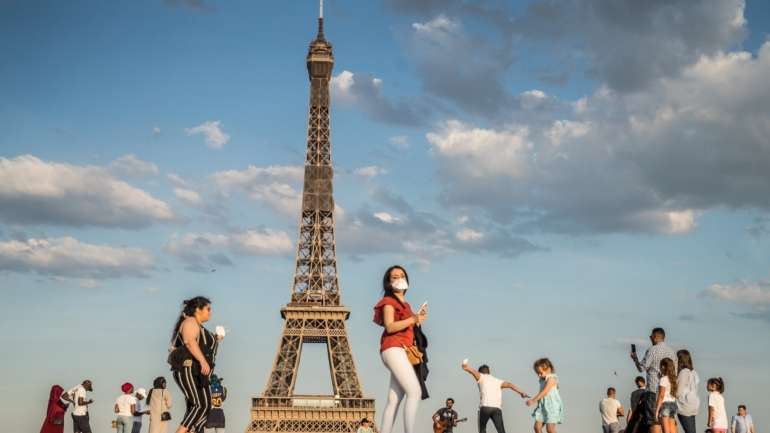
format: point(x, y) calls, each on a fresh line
point(396, 316)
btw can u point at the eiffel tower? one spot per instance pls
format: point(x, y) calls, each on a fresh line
point(314, 313)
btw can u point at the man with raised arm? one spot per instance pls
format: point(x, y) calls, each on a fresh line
point(490, 396)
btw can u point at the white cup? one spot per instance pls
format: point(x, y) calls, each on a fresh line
point(220, 331)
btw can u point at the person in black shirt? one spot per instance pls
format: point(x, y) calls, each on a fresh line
point(446, 416)
point(636, 395)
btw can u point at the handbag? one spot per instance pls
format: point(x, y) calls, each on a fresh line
point(165, 415)
point(413, 354)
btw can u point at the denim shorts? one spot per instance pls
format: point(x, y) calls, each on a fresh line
point(668, 409)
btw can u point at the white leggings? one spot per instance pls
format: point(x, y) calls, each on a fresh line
point(403, 381)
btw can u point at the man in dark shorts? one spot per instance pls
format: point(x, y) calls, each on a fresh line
point(446, 415)
point(77, 396)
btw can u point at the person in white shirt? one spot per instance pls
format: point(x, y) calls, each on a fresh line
point(610, 409)
point(77, 396)
point(491, 396)
point(742, 423)
point(125, 408)
point(717, 419)
point(665, 408)
point(141, 409)
point(687, 401)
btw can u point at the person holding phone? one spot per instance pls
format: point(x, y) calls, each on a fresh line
point(650, 365)
point(397, 348)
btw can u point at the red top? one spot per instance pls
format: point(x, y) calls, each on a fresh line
point(54, 417)
point(403, 311)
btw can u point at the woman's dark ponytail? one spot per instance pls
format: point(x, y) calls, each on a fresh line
point(189, 306)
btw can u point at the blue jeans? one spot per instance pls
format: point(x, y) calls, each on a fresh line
point(124, 423)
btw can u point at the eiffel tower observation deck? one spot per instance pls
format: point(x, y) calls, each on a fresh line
point(314, 314)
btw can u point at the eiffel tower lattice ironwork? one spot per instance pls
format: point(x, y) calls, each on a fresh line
point(314, 313)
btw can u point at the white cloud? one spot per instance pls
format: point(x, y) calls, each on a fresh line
point(276, 186)
point(68, 257)
point(215, 136)
point(204, 251)
point(130, 165)
point(754, 294)
point(370, 171)
point(33, 191)
point(188, 196)
point(156, 131)
point(386, 217)
point(399, 141)
point(469, 235)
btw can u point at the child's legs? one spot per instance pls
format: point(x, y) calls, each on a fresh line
point(538, 427)
point(668, 424)
point(550, 428)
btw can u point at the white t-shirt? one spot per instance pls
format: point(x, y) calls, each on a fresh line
point(665, 383)
point(124, 403)
point(720, 414)
point(608, 407)
point(76, 394)
point(490, 392)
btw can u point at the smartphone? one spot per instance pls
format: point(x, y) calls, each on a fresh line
point(633, 348)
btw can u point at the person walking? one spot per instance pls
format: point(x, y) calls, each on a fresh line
point(665, 407)
point(125, 408)
point(549, 410)
point(215, 423)
point(192, 359)
point(610, 409)
point(717, 418)
point(687, 401)
point(742, 423)
point(650, 365)
point(490, 396)
point(395, 315)
point(81, 422)
point(141, 410)
point(159, 402)
point(54, 414)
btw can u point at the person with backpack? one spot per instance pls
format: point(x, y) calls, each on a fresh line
point(215, 423)
point(687, 400)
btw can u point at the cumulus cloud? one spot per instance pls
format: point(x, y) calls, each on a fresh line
point(33, 191)
point(68, 257)
point(276, 186)
point(202, 252)
point(212, 130)
point(130, 165)
point(365, 92)
point(754, 297)
point(643, 162)
point(370, 171)
point(188, 196)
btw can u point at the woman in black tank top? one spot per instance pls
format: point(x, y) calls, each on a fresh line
point(194, 354)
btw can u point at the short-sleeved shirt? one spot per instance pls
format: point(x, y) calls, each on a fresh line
point(124, 403)
point(651, 363)
point(490, 393)
point(76, 394)
point(717, 401)
point(665, 383)
point(608, 407)
point(403, 338)
point(742, 424)
point(636, 396)
point(140, 407)
point(448, 416)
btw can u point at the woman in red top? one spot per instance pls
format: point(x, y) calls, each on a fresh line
point(54, 416)
point(396, 316)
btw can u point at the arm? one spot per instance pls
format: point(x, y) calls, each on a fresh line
point(476, 375)
point(620, 411)
point(392, 326)
point(710, 418)
point(514, 388)
point(549, 384)
point(436, 417)
point(116, 408)
point(84, 402)
point(167, 398)
point(133, 410)
point(67, 397)
point(661, 395)
point(190, 333)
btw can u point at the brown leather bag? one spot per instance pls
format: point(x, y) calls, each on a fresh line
point(413, 354)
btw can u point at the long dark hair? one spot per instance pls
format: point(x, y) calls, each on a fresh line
point(684, 360)
point(386, 287)
point(188, 310)
point(667, 369)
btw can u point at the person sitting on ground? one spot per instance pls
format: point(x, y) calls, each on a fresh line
point(610, 409)
point(491, 396)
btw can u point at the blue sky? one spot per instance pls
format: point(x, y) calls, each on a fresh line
point(558, 178)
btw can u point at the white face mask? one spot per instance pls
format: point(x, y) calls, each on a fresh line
point(400, 284)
